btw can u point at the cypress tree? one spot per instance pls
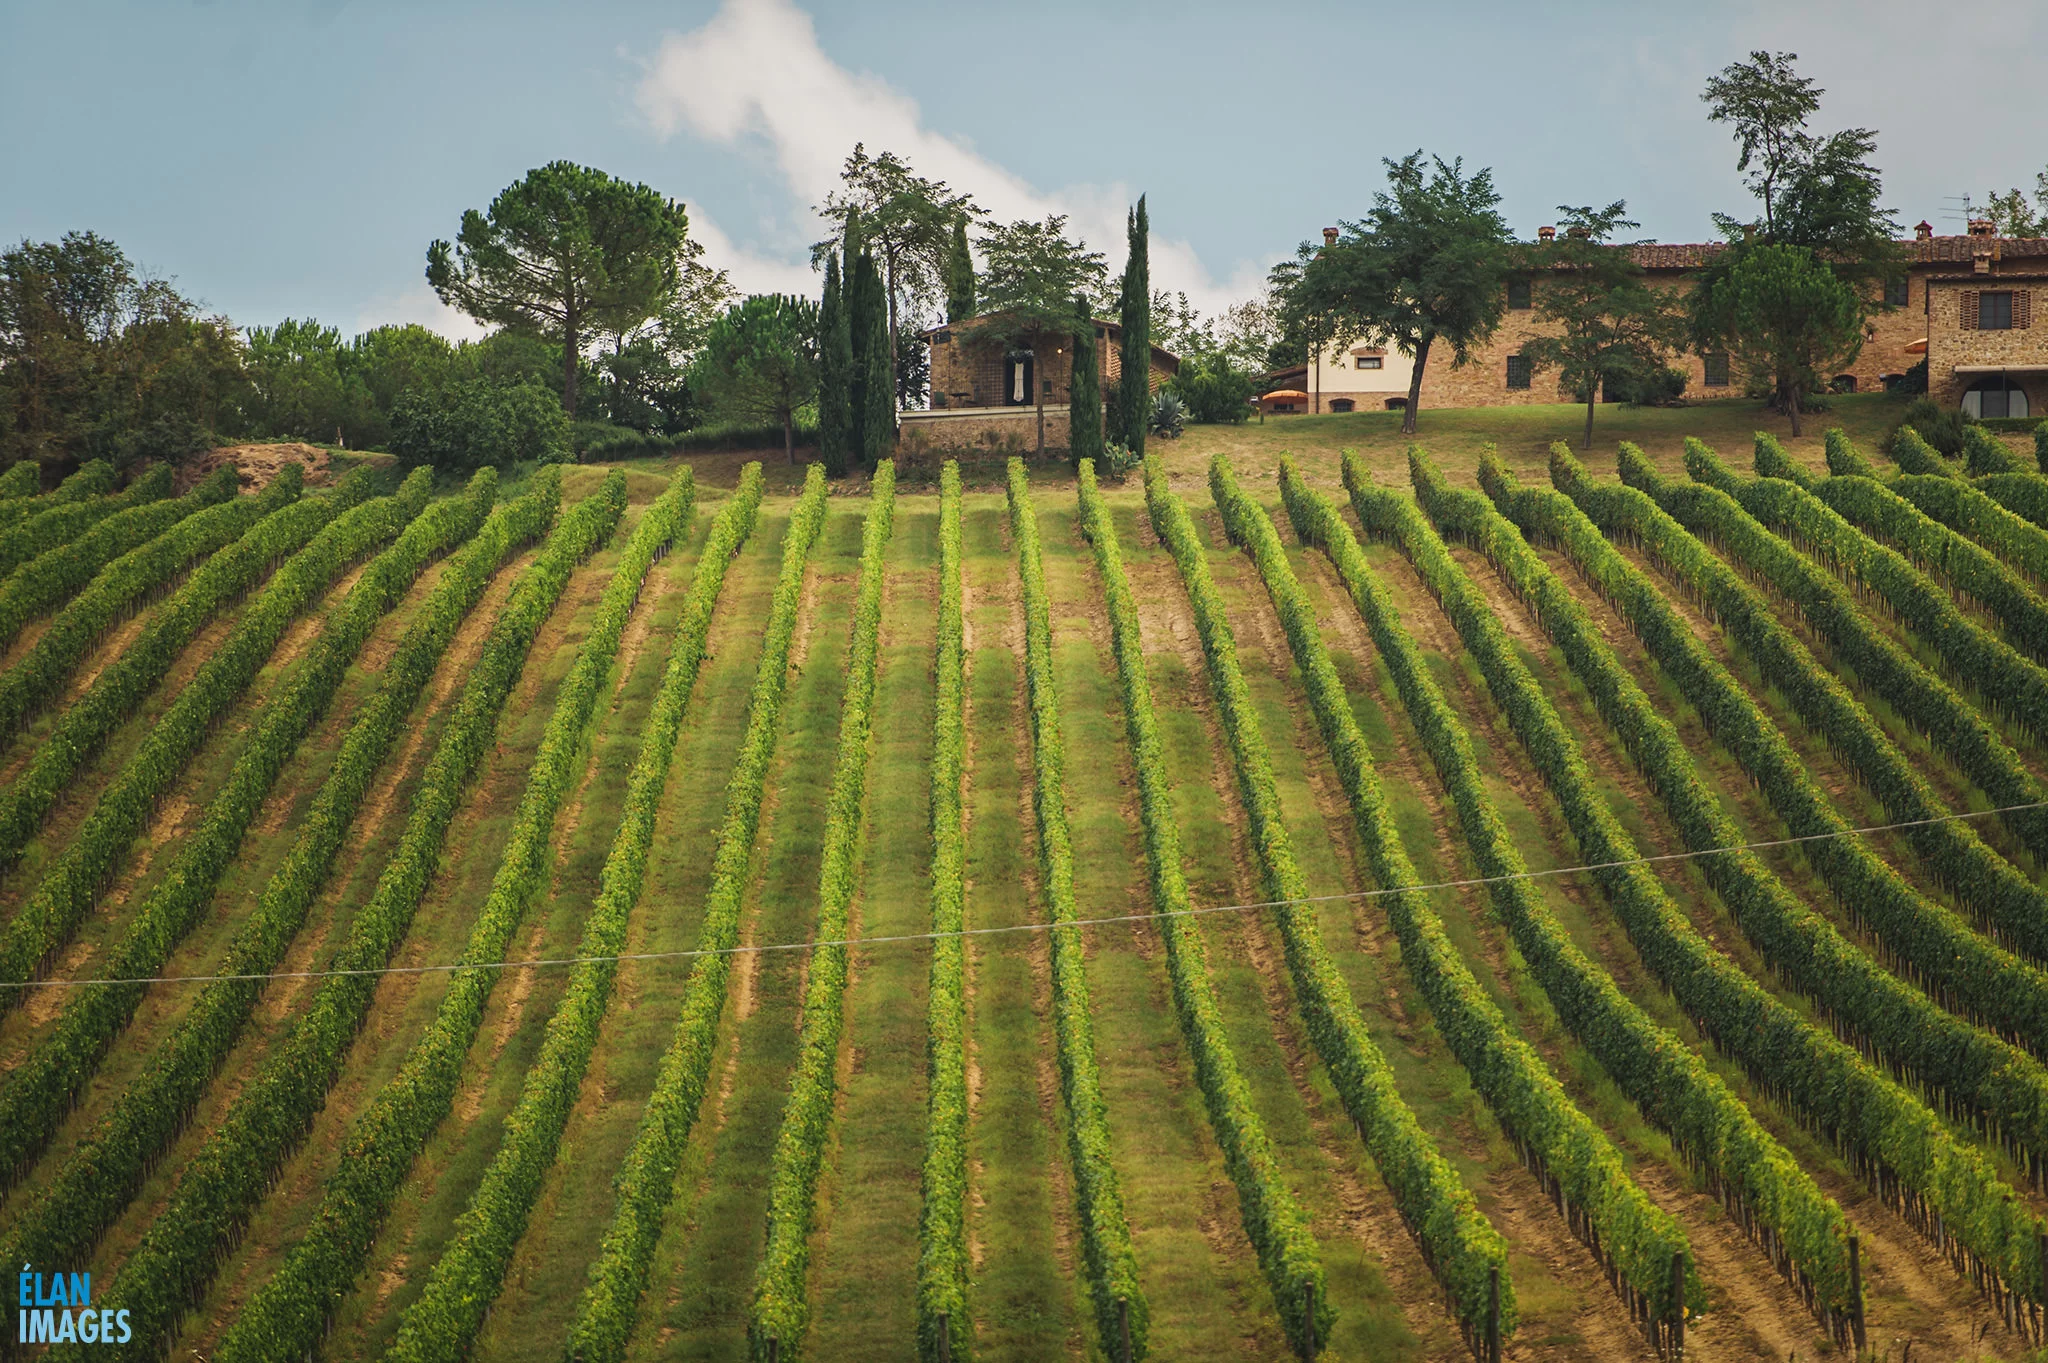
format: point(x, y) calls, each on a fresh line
point(959, 276)
point(1084, 400)
point(876, 432)
point(854, 306)
point(1135, 387)
point(835, 374)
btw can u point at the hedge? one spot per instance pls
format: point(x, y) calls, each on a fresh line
point(2023, 494)
point(24, 478)
point(86, 868)
point(1274, 1222)
point(1880, 663)
point(1775, 1202)
point(171, 1269)
point(1912, 453)
point(57, 574)
point(1944, 1187)
point(2009, 683)
point(106, 1169)
point(39, 1091)
point(944, 1269)
point(81, 501)
point(1969, 510)
point(121, 688)
point(645, 1181)
point(127, 585)
point(1968, 1073)
point(1633, 1239)
point(781, 1310)
point(289, 1312)
point(1462, 1249)
point(1985, 453)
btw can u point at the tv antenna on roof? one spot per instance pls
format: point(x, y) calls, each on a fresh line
point(1967, 212)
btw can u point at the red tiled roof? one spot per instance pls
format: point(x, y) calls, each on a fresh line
point(1677, 256)
point(1943, 249)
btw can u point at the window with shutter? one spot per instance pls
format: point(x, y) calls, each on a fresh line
point(2022, 309)
point(1994, 310)
point(1966, 312)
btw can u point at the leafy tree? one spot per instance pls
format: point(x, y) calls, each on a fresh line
point(1786, 318)
point(1031, 277)
point(648, 361)
point(567, 252)
point(760, 362)
point(913, 369)
point(1214, 389)
point(1426, 267)
point(907, 221)
point(959, 274)
point(876, 353)
point(390, 361)
point(1084, 403)
point(1769, 104)
point(2013, 216)
point(1134, 391)
point(1830, 206)
point(1613, 327)
point(835, 374)
point(299, 373)
point(468, 423)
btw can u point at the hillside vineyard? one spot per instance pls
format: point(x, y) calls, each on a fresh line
point(1565, 913)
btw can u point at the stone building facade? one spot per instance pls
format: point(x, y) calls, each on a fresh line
point(1941, 278)
point(985, 390)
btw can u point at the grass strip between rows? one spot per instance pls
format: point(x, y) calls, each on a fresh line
point(944, 1269)
point(781, 1310)
point(126, 585)
point(289, 1313)
point(1111, 1261)
point(86, 868)
point(186, 1245)
point(1777, 1204)
point(1463, 1250)
point(38, 1092)
point(1273, 1220)
point(645, 1185)
point(1942, 1186)
point(56, 575)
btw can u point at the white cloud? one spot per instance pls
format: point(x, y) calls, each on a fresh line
point(751, 272)
point(756, 73)
point(419, 303)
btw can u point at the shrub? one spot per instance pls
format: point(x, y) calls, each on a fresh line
point(1663, 386)
point(1941, 427)
point(1214, 391)
point(470, 423)
point(1168, 415)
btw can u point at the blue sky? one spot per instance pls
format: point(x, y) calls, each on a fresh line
point(292, 159)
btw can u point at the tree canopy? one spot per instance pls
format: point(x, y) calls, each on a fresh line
point(760, 362)
point(1426, 267)
point(1786, 318)
point(567, 252)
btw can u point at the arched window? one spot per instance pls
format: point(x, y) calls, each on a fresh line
point(1997, 396)
point(1340, 404)
point(1397, 404)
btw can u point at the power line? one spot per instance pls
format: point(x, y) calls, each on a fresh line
point(1199, 911)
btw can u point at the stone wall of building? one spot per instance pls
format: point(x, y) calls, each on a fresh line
point(993, 431)
point(1949, 344)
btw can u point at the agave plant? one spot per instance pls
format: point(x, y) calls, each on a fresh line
point(1168, 416)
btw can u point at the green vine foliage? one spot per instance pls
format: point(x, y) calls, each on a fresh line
point(91, 480)
point(127, 585)
point(100, 1176)
point(1105, 1234)
point(289, 1313)
point(1879, 662)
point(1457, 1242)
point(2023, 494)
point(191, 1238)
point(84, 869)
point(1884, 515)
point(1273, 1220)
point(119, 691)
point(1944, 1186)
point(1774, 1200)
point(1968, 510)
point(55, 575)
point(944, 1270)
point(38, 1092)
point(1912, 453)
point(781, 1309)
point(24, 477)
point(2008, 683)
point(73, 510)
point(645, 1183)
point(1985, 453)
point(1634, 1238)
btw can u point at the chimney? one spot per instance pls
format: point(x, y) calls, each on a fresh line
point(1329, 236)
point(1546, 234)
point(1923, 230)
point(1578, 233)
point(1981, 227)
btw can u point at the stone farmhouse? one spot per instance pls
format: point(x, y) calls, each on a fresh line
point(1965, 303)
point(985, 392)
